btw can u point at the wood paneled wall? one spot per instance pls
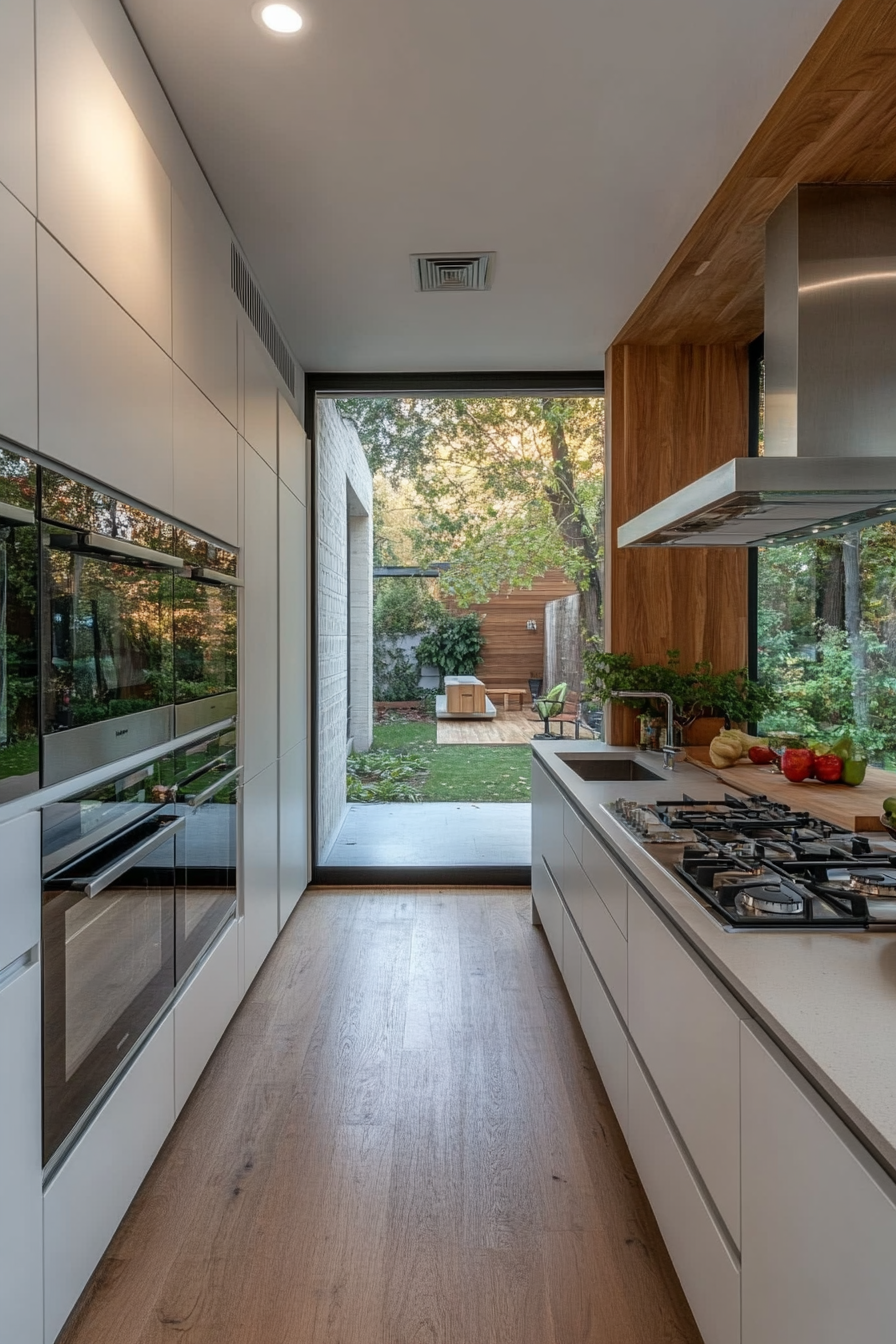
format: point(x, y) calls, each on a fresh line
point(673, 413)
point(513, 654)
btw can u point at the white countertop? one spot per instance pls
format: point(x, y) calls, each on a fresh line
point(828, 999)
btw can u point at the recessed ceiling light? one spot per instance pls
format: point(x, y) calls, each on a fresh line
point(277, 18)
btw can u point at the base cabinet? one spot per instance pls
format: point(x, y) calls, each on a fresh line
point(819, 1216)
point(606, 1040)
point(261, 899)
point(549, 907)
point(21, 1212)
point(89, 1194)
point(709, 1273)
point(203, 1011)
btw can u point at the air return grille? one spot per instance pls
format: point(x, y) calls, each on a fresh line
point(453, 270)
point(259, 314)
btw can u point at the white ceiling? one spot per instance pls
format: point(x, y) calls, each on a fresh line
point(578, 139)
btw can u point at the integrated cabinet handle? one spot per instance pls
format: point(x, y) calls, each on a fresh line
point(212, 789)
point(96, 543)
point(11, 513)
point(100, 881)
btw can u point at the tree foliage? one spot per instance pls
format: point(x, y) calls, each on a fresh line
point(453, 645)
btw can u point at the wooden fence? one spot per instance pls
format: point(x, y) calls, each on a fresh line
point(562, 643)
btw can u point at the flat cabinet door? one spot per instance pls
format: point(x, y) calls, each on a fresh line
point(261, 922)
point(101, 190)
point(819, 1216)
point(547, 820)
point(204, 324)
point(259, 675)
point(205, 463)
point(687, 1031)
point(21, 1207)
point(18, 316)
point(549, 907)
point(20, 888)
point(294, 850)
point(572, 963)
point(293, 622)
point(607, 878)
point(606, 1040)
point(105, 387)
point(292, 448)
point(17, 132)
point(259, 398)
point(203, 1011)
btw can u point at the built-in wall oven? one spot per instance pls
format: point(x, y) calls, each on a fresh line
point(107, 618)
point(205, 634)
point(108, 936)
point(139, 878)
point(19, 553)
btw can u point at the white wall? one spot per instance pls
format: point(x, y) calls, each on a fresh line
point(344, 523)
point(125, 356)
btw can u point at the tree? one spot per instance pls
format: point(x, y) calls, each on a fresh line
point(504, 488)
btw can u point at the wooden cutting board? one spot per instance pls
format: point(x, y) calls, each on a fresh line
point(858, 809)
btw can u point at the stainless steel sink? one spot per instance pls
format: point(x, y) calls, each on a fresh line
point(600, 767)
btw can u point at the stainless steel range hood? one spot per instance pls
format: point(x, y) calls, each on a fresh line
point(829, 460)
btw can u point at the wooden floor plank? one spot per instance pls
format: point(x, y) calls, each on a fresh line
point(509, 728)
point(402, 1139)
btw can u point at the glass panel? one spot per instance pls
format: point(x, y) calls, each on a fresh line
point(205, 554)
point(205, 639)
point(81, 506)
point(109, 644)
point(114, 948)
point(19, 758)
point(71, 827)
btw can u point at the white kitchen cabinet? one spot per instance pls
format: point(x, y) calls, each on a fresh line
point(20, 888)
point(203, 1010)
point(549, 907)
point(572, 881)
point(606, 1039)
point(573, 829)
point(17, 132)
point(259, 397)
point(602, 938)
point(204, 322)
point(259, 674)
point(88, 1196)
point(18, 316)
point(572, 963)
point(261, 922)
point(21, 1207)
point(819, 1215)
point(705, 1264)
point(205, 463)
point(547, 820)
point(607, 878)
point(101, 190)
point(687, 1029)
point(294, 814)
point(105, 387)
point(292, 448)
point(293, 621)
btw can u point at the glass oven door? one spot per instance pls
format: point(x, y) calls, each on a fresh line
point(205, 635)
point(108, 939)
point(207, 793)
point(19, 742)
point(107, 650)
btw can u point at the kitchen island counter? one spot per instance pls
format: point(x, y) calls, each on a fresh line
point(828, 999)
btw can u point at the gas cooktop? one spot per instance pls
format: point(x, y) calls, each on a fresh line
point(758, 864)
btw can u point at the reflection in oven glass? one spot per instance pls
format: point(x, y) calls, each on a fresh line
point(19, 752)
point(205, 639)
point(113, 951)
point(109, 648)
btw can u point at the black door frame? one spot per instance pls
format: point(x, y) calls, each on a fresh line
point(569, 383)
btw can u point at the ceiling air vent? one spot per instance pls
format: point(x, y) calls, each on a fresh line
point(259, 314)
point(453, 270)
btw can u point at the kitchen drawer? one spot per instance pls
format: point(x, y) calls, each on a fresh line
point(574, 885)
point(21, 1207)
point(90, 1193)
point(572, 963)
point(606, 1040)
point(606, 944)
point(547, 820)
point(203, 1011)
point(20, 888)
point(606, 878)
point(549, 906)
point(709, 1273)
point(687, 1029)
point(573, 829)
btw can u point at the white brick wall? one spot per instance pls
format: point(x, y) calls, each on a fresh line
point(344, 486)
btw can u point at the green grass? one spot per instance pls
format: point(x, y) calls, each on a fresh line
point(459, 774)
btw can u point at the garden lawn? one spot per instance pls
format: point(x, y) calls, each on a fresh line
point(459, 774)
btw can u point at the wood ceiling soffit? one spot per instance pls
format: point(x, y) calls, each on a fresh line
point(834, 122)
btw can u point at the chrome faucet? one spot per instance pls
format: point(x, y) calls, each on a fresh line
point(669, 750)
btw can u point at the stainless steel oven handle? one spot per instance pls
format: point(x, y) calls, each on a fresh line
point(93, 542)
point(212, 789)
point(199, 772)
point(94, 885)
point(214, 576)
